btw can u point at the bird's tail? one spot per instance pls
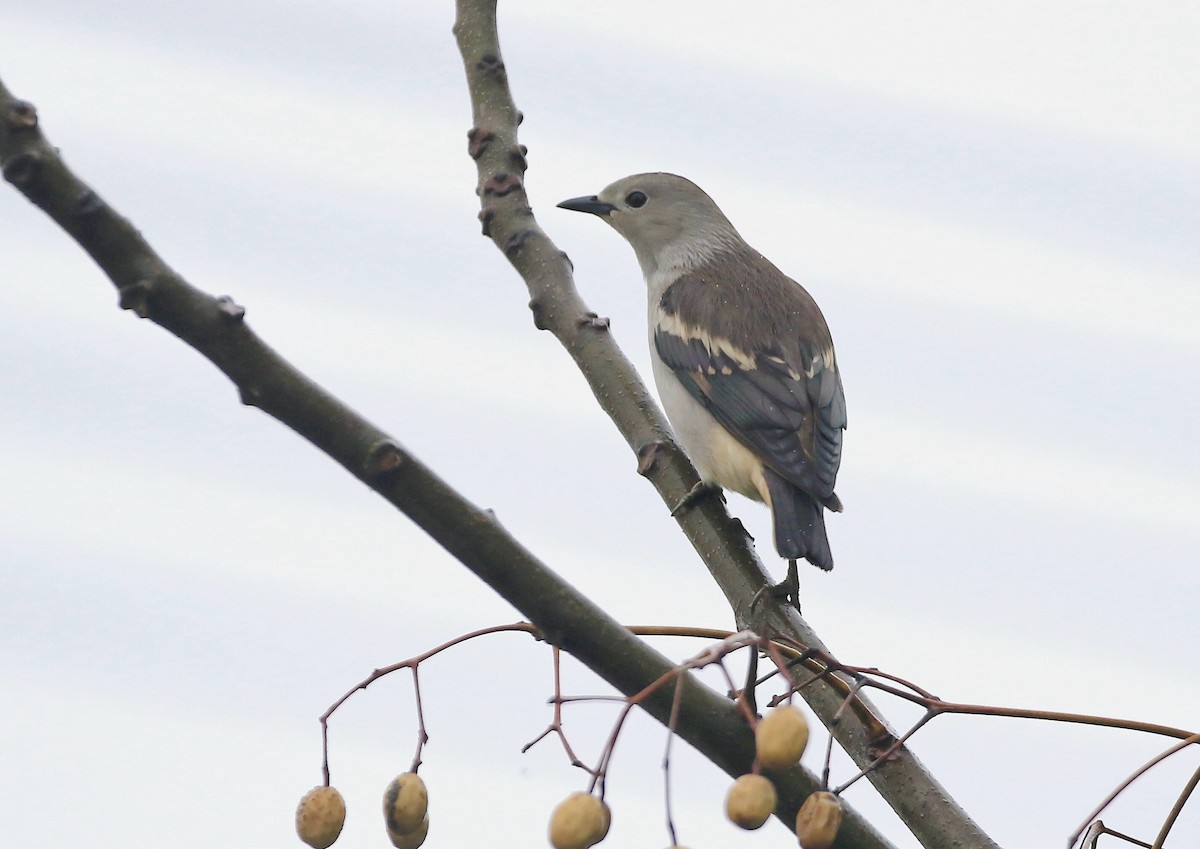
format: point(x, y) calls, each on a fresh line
point(799, 523)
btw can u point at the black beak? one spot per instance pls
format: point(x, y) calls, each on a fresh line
point(591, 204)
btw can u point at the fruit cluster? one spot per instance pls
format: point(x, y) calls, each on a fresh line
point(779, 740)
point(322, 813)
point(582, 819)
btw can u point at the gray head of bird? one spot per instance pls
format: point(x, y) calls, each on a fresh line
point(671, 223)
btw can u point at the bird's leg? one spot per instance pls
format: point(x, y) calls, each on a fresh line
point(789, 588)
point(701, 490)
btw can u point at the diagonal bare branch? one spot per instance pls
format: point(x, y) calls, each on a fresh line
point(216, 328)
point(507, 217)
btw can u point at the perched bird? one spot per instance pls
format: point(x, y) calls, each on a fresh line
point(742, 357)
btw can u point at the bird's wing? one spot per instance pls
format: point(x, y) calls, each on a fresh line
point(775, 388)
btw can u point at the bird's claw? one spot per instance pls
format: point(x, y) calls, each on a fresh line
point(701, 490)
point(786, 590)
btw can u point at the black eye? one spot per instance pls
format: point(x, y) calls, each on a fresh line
point(635, 199)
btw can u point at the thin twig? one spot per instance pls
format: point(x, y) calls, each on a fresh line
point(1138, 773)
point(1176, 809)
point(383, 671)
point(666, 763)
point(422, 736)
point(556, 724)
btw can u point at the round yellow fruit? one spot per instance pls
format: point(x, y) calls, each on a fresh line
point(818, 821)
point(410, 839)
point(320, 817)
point(750, 801)
point(605, 821)
point(405, 803)
point(580, 820)
point(780, 737)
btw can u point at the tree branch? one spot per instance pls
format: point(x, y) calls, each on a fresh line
point(215, 327)
point(722, 543)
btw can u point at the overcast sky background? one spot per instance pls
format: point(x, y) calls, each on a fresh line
point(997, 207)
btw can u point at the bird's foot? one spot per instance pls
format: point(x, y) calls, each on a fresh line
point(787, 590)
point(696, 494)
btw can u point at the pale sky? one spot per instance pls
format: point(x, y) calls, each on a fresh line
point(997, 209)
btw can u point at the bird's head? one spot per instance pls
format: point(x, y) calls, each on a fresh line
point(669, 220)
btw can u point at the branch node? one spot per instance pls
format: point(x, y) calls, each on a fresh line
point(520, 117)
point(88, 204)
point(136, 297)
point(567, 260)
point(485, 219)
point(383, 460)
point(539, 313)
point(517, 156)
point(647, 455)
point(885, 744)
point(22, 115)
point(229, 309)
point(477, 141)
point(249, 395)
point(514, 245)
point(501, 183)
point(590, 319)
point(492, 64)
point(23, 168)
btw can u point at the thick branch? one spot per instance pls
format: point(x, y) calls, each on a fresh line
point(215, 327)
point(721, 542)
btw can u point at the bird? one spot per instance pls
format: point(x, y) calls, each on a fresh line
point(742, 357)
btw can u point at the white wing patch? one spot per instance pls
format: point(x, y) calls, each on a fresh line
point(715, 344)
point(821, 360)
